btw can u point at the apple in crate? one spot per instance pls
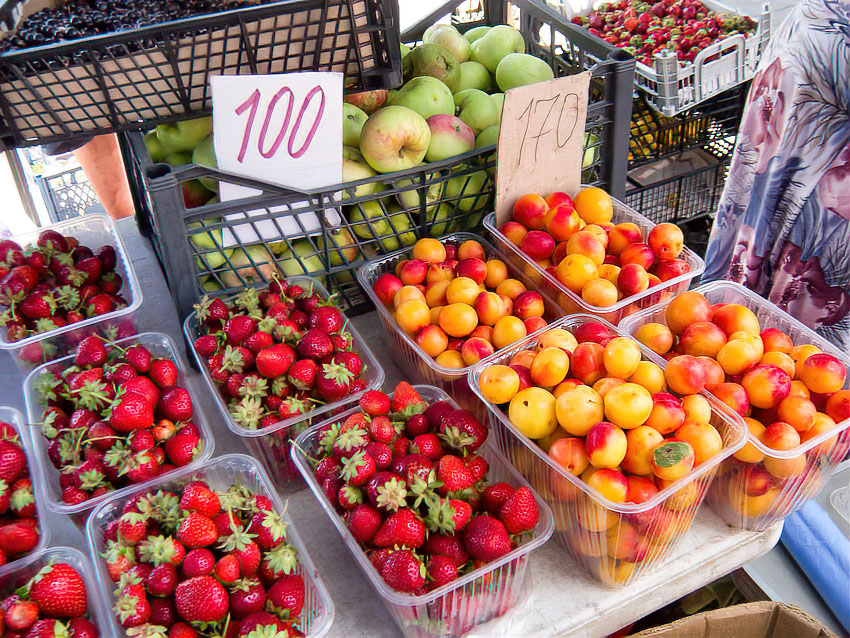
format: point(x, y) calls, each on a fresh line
point(394, 139)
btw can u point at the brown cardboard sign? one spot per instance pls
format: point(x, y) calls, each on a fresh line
point(541, 140)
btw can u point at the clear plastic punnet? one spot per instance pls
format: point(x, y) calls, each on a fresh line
point(454, 609)
point(759, 486)
point(271, 444)
point(46, 476)
point(615, 542)
point(220, 473)
point(413, 360)
point(16, 419)
point(573, 303)
point(93, 230)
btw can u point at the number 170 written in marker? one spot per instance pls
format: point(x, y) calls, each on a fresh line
point(549, 125)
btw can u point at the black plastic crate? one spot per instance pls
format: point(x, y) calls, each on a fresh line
point(67, 194)
point(438, 198)
point(160, 73)
point(711, 125)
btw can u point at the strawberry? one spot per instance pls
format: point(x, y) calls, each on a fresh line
point(381, 429)
point(477, 466)
point(462, 513)
point(59, 591)
point(182, 630)
point(139, 357)
point(349, 360)
point(18, 537)
point(462, 431)
point(182, 448)
point(141, 440)
point(381, 453)
point(403, 529)
point(428, 445)
point(238, 328)
point(327, 319)
point(519, 511)
point(485, 538)
point(199, 562)
point(164, 372)
point(286, 596)
point(201, 599)
point(274, 361)
point(261, 624)
point(404, 571)
point(315, 344)
point(406, 400)
point(247, 596)
point(303, 374)
point(206, 345)
point(328, 467)
point(375, 403)
point(333, 382)
point(453, 474)
point(268, 528)
point(358, 468)
point(132, 607)
point(21, 614)
point(416, 425)
point(119, 373)
point(198, 497)
point(448, 546)
point(163, 612)
point(363, 522)
point(494, 496)
point(38, 305)
point(162, 580)
point(12, 461)
point(176, 404)
point(227, 569)
point(47, 628)
point(118, 559)
point(91, 351)
point(54, 242)
point(212, 312)
point(348, 443)
point(111, 283)
point(259, 341)
point(91, 268)
point(131, 411)
point(246, 551)
point(132, 528)
point(142, 386)
point(436, 411)
point(197, 530)
point(441, 570)
point(349, 497)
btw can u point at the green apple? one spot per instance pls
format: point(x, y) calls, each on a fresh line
point(399, 225)
point(367, 101)
point(353, 120)
point(213, 260)
point(425, 95)
point(303, 260)
point(204, 155)
point(341, 246)
point(355, 168)
point(475, 34)
point(499, 101)
point(251, 264)
point(410, 199)
point(394, 139)
point(479, 112)
point(473, 75)
point(210, 285)
point(435, 61)
point(438, 222)
point(447, 36)
point(498, 42)
point(450, 136)
point(405, 50)
point(488, 136)
point(464, 191)
point(460, 96)
point(179, 158)
point(184, 135)
point(519, 69)
point(590, 150)
point(368, 220)
point(210, 253)
point(154, 147)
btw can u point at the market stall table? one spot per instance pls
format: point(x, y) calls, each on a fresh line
point(564, 600)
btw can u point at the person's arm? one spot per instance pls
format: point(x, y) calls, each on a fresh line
point(101, 161)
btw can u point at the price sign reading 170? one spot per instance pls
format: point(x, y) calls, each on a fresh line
point(285, 129)
point(541, 140)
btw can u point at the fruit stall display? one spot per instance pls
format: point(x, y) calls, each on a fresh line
point(384, 205)
point(61, 283)
point(789, 384)
point(275, 360)
point(447, 303)
point(622, 450)
point(22, 529)
point(594, 254)
point(53, 594)
point(686, 51)
point(81, 69)
point(109, 416)
point(398, 465)
point(209, 545)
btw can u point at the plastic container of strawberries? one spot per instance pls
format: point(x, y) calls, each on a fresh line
point(222, 472)
point(271, 444)
point(455, 608)
point(592, 528)
point(26, 569)
point(46, 477)
point(94, 230)
point(413, 360)
point(571, 302)
point(15, 418)
point(728, 496)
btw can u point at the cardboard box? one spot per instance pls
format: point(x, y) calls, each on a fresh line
point(750, 620)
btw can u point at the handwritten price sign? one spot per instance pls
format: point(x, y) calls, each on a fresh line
point(541, 140)
point(283, 129)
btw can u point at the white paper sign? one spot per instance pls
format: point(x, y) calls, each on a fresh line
point(284, 129)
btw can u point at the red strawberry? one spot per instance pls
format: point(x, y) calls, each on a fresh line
point(328, 467)
point(239, 328)
point(21, 614)
point(139, 357)
point(382, 453)
point(268, 528)
point(327, 319)
point(227, 569)
point(212, 312)
point(90, 352)
point(54, 242)
point(349, 360)
point(358, 468)
point(462, 513)
point(375, 403)
point(201, 599)
point(182, 448)
point(303, 374)
point(405, 397)
point(118, 560)
point(403, 529)
point(132, 411)
point(447, 546)
point(286, 596)
point(246, 551)
point(91, 268)
point(206, 345)
point(441, 570)
point(349, 497)
point(342, 341)
point(199, 562)
point(12, 461)
point(519, 511)
point(291, 407)
point(381, 429)
point(436, 411)
point(494, 496)
point(363, 521)
point(59, 591)
point(18, 537)
point(38, 305)
point(416, 425)
point(176, 404)
point(246, 597)
point(182, 630)
point(404, 571)
point(428, 445)
point(142, 386)
point(257, 624)
point(162, 580)
point(315, 344)
point(47, 628)
point(462, 431)
point(198, 497)
point(333, 382)
point(274, 361)
point(164, 372)
point(100, 305)
point(132, 528)
point(197, 530)
point(132, 607)
point(119, 373)
point(453, 474)
point(163, 613)
point(486, 538)
point(477, 466)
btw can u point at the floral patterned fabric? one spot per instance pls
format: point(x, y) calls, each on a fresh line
point(783, 223)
